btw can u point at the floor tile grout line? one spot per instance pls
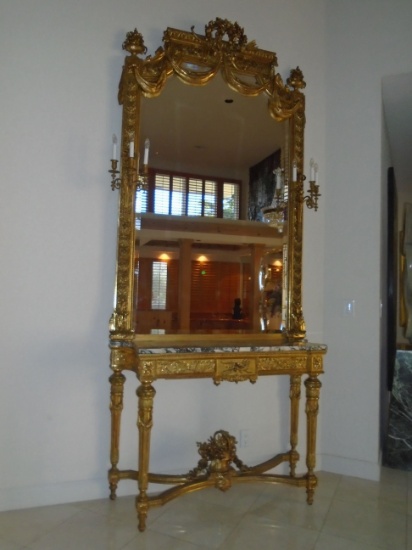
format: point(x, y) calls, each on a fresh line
point(47, 531)
point(241, 519)
point(336, 498)
point(332, 498)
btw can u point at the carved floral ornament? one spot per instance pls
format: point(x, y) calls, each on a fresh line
point(196, 59)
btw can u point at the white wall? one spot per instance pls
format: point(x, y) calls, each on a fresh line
point(365, 41)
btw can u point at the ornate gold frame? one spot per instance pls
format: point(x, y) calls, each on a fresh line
point(196, 59)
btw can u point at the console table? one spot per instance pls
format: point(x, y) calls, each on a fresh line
point(219, 465)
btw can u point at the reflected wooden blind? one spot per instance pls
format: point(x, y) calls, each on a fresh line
point(185, 195)
point(231, 200)
point(195, 198)
point(246, 288)
point(159, 285)
point(210, 194)
point(162, 194)
point(215, 285)
point(141, 205)
point(204, 287)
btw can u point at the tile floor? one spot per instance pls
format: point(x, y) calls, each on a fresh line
point(348, 514)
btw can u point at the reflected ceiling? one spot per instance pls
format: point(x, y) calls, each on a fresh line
point(208, 129)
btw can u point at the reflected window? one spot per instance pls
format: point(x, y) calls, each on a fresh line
point(141, 205)
point(202, 197)
point(169, 195)
point(182, 195)
point(159, 285)
point(231, 201)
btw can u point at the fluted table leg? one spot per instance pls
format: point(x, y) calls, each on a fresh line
point(295, 385)
point(117, 380)
point(145, 394)
point(313, 386)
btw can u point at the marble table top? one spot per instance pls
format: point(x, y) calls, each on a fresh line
point(304, 346)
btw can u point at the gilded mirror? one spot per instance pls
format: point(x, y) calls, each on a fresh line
point(168, 91)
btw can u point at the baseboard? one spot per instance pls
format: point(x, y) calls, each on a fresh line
point(13, 498)
point(348, 466)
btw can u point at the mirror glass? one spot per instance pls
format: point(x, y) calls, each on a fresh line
point(199, 273)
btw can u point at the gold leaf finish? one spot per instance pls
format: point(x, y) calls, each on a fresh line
point(236, 370)
point(194, 366)
point(275, 364)
point(219, 365)
point(196, 59)
point(217, 456)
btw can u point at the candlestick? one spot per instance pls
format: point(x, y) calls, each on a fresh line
point(146, 152)
point(129, 173)
point(294, 171)
point(311, 199)
point(114, 139)
point(312, 170)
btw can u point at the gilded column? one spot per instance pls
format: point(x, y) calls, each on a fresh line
point(313, 386)
point(294, 394)
point(117, 380)
point(145, 394)
point(185, 281)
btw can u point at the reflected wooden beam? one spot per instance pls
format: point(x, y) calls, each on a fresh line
point(185, 278)
point(256, 256)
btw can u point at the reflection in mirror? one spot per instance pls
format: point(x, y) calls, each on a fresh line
point(202, 266)
point(209, 129)
point(208, 275)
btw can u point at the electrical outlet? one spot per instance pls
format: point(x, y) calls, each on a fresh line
point(244, 438)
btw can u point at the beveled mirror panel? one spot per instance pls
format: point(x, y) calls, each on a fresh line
point(221, 276)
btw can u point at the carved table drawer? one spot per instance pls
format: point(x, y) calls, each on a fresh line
point(237, 369)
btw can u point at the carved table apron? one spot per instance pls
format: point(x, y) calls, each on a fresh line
point(218, 455)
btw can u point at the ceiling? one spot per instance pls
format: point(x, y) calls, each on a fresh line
point(397, 104)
